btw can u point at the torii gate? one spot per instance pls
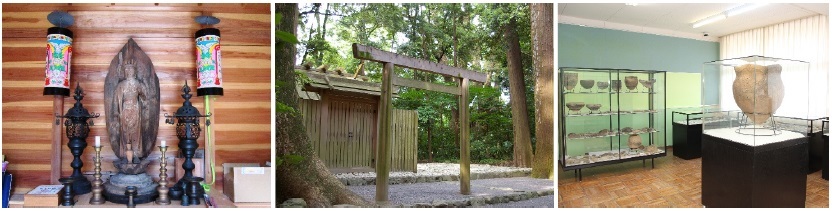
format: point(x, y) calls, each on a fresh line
point(383, 149)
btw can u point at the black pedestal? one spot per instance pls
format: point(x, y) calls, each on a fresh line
point(738, 175)
point(816, 152)
point(825, 155)
point(686, 140)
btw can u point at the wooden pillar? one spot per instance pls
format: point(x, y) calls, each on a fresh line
point(383, 150)
point(57, 108)
point(463, 104)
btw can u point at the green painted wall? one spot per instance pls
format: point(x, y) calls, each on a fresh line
point(581, 46)
point(605, 48)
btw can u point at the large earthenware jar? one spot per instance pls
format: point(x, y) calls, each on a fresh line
point(635, 141)
point(631, 82)
point(570, 80)
point(758, 90)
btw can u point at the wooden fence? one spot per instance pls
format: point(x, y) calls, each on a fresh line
point(343, 134)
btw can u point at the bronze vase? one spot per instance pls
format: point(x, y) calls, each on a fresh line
point(758, 90)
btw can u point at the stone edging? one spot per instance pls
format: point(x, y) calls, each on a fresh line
point(359, 181)
point(477, 201)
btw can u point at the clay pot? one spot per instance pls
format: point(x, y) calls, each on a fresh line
point(587, 84)
point(616, 85)
point(651, 149)
point(570, 80)
point(631, 82)
point(602, 84)
point(647, 83)
point(603, 132)
point(758, 90)
point(627, 130)
point(635, 141)
point(575, 106)
point(594, 107)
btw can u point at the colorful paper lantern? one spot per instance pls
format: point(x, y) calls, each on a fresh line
point(58, 54)
point(209, 68)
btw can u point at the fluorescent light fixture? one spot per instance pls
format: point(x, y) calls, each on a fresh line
point(743, 9)
point(728, 13)
point(708, 20)
point(631, 4)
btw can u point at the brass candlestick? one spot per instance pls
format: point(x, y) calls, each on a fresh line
point(97, 182)
point(163, 179)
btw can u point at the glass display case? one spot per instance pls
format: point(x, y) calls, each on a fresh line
point(812, 128)
point(610, 116)
point(760, 87)
point(686, 133)
point(757, 154)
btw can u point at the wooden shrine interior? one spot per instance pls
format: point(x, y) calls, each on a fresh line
point(241, 118)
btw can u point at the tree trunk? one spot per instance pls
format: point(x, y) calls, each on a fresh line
point(542, 34)
point(522, 147)
point(307, 178)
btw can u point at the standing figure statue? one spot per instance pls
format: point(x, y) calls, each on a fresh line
point(128, 94)
point(131, 105)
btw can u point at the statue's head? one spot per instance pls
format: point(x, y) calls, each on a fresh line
point(130, 68)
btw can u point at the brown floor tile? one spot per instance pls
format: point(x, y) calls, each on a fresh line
point(673, 182)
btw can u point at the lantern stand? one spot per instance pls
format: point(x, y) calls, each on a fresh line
point(77, 129)
point(209, 75)
point(188, 130)
point(56, 80)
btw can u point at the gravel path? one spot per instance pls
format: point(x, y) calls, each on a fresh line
point(435, 172)
point(540, 202)
point(429, 193)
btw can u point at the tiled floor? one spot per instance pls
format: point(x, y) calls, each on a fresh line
point(673, 182)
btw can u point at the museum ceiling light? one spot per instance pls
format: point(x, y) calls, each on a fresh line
point(709, 20)
point(728, 13)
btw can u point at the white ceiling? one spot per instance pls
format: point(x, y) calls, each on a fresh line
point(677, 18)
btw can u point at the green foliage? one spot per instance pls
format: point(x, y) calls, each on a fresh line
point(464, 35)
point(288, 159)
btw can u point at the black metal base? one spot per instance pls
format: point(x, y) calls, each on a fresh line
point(55, 91)
point(210, 91)
point(825, 155)
point(81, 185)
point(123, 199)
point(687, 140)
point(577, 170)
point(738, 175)
point(816, 152)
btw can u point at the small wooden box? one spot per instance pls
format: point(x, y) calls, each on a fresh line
point(44, 196)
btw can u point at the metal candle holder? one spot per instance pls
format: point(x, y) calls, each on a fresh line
point(77, 129)
point(163, 179)
point(67, 197)
point(98, 188)
point(188, 130)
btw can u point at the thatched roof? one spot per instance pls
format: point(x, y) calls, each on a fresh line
point(322, 78)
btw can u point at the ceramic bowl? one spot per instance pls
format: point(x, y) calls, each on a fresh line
point(587, 84)
point(616, 85)
point(602, 84)
point(575, 106)
point(593, 107)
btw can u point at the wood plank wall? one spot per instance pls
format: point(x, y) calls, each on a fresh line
point(241, 121)
point(404, 144)
point(328, 122)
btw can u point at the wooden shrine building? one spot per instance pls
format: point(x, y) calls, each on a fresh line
point(340, 113)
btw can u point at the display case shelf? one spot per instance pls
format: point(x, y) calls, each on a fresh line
point(640, 103)
point(613, 135)
point(612, 113)
point(610, 93)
